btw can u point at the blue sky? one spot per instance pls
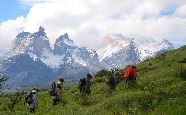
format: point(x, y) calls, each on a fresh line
point(11, 9)
point(88, 21)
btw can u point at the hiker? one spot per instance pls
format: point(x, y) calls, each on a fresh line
point(60, 83)
point(29, 100)
point(115, 73)
point(59, 86)
point(111, 82)
point(35, 97)
point(130, 74)
point(88, 84)
point(54, 93)
point(85, 84)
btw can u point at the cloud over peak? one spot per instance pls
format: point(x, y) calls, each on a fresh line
point(88, 21)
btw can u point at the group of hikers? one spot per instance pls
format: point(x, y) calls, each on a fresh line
point(31, 99)
point(129, 75)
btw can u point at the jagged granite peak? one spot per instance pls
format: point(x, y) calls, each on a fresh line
point(121, 51)
point(114, 43)
point(19, 39)
point(33, 44)
point(23, 35)
point(35, 57)
point(167, 44)
point(64, 38)
point(128, 53)
point(164, 46)
point(63, 45)
point(40, 33)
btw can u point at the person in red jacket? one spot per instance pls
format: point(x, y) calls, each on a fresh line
point(130, 74)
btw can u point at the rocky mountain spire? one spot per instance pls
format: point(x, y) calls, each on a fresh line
point(63, 44)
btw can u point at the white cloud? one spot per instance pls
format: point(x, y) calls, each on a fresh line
point(8, 31)
point(87, 21)
point(181, 11)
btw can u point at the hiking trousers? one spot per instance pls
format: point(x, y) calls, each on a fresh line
point(32, 110)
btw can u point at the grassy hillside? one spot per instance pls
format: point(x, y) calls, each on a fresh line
point(160, 89)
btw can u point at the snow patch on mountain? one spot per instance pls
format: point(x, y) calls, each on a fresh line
point(19, 49)
point(114, 43)
point(33, 56)
point(111, 49)
point(120, 50)
point(91, 52)
point(78, 60)
point(52, 60)
point(64, 39)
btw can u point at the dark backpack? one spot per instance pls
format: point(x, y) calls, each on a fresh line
point(29, 99)
point(52, 91)
point(82, 83)
point(59, 86)
point(111, 80)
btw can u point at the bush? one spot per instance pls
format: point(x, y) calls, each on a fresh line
point(98, 80)
point(102, 73)
point(13, 99)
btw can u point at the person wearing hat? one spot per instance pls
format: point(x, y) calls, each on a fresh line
point(35, 99)
point(88, 84)
point(29, 100)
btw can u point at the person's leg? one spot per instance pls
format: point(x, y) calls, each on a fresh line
point(58, 101)
point(54, 102)
point(31, 110)
point(114, 87)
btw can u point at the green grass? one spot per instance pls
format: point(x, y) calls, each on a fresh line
point(160, 90)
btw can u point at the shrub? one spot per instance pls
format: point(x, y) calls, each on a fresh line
point(13, 99)
point(102, 73)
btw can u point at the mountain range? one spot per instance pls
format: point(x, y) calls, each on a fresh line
point(31, 60)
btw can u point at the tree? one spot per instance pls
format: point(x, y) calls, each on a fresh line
point(2, 80)
point(13, 99)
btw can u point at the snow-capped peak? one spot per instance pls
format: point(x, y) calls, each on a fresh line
point(23, 35)
point(64, 39)
point(130, 50)
point(117, 42)
point(39, 34)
